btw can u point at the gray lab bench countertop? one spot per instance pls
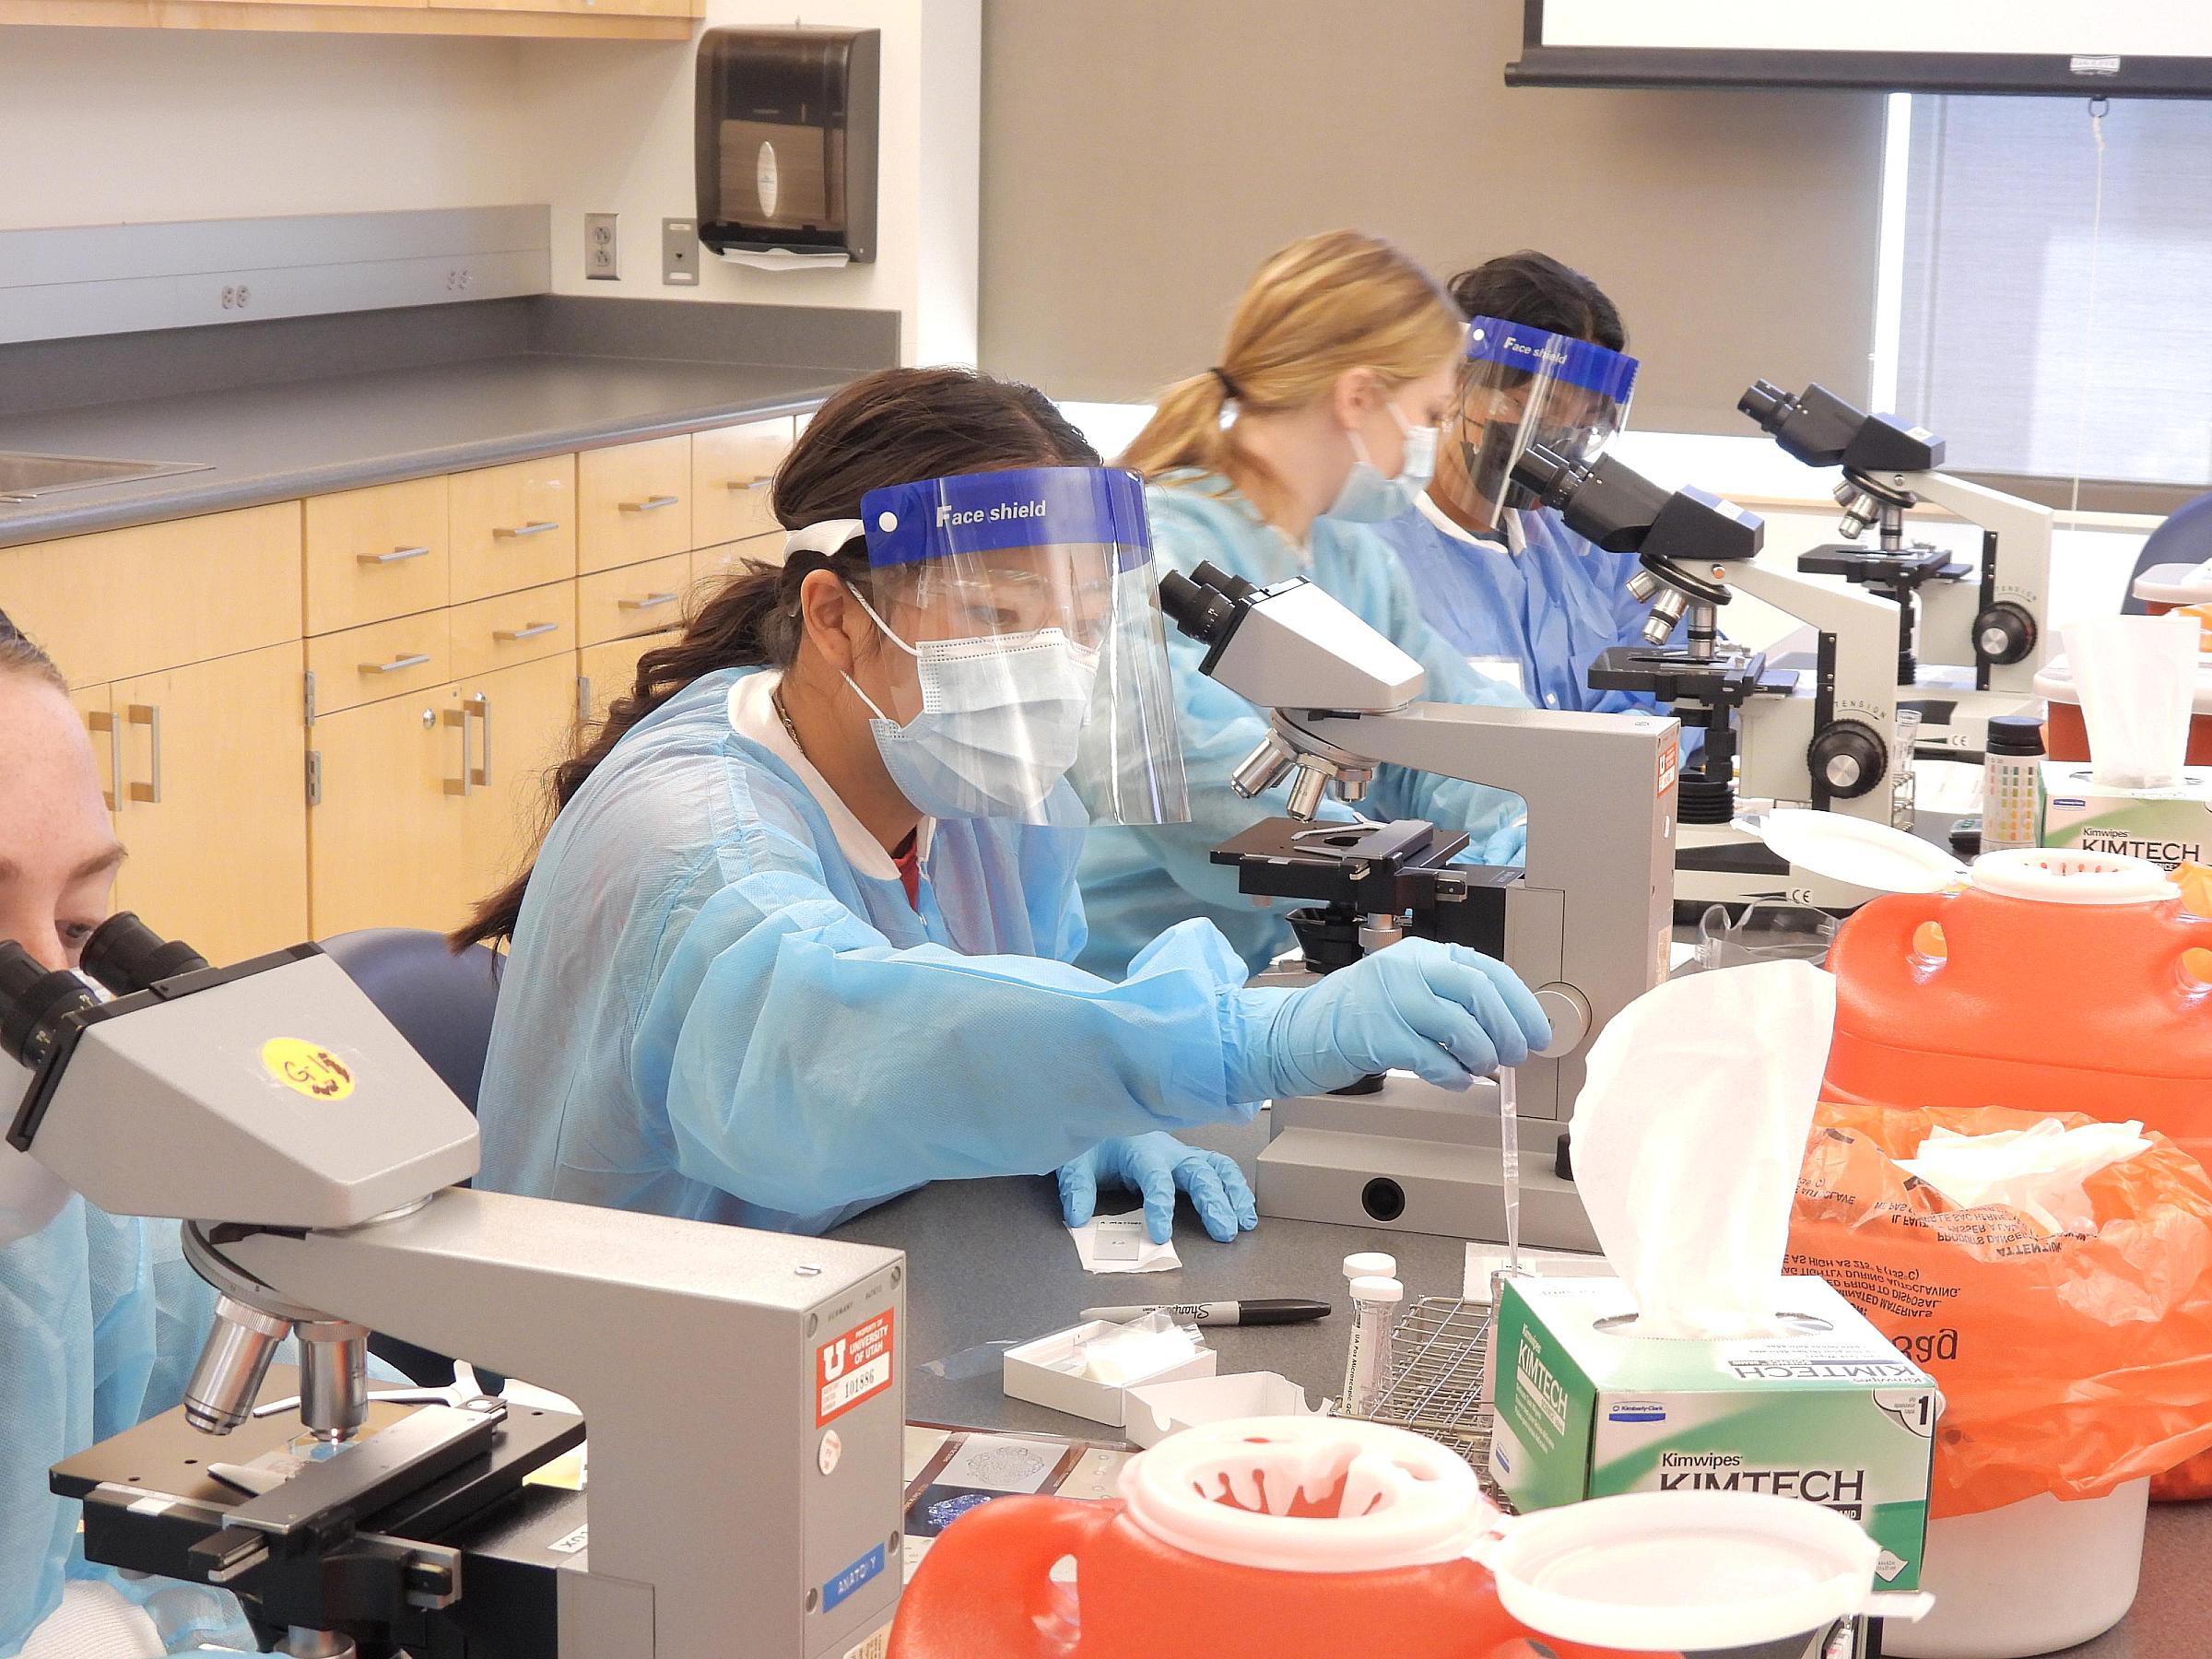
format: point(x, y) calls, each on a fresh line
point(991, 1262)
point(275, 442)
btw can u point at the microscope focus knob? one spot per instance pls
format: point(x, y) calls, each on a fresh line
point(1569, 1011)
point(1848, 759)
point(2004, 634)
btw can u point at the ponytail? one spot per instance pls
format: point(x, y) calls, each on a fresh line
point(892, 427)
point(1321, 307)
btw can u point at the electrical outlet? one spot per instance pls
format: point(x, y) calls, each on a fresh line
point(599, 247)
point(679, 252)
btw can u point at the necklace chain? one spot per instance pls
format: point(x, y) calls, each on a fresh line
point(775, 700)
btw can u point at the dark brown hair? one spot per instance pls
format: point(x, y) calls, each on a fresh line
point(19, 655)
point(892, 427)
point(1538, 291)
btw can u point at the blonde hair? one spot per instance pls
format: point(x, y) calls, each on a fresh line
point(1323, 305)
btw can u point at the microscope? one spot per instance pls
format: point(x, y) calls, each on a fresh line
point(742, 1388)
point(1825, 738)
point(1584, 920)
point(1971, 636)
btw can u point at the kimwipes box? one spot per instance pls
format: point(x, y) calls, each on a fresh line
point(2169, 827)
point(1829, 1412)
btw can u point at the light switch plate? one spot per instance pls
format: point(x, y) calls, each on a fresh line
point(679, 252)
point(599, 247)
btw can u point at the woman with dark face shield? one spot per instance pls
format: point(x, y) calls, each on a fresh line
point(1526, 599)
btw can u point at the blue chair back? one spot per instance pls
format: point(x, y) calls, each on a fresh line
point(2185, 538)
point(442, 1005)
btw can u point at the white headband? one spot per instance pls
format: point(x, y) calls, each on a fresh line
point(824, 538)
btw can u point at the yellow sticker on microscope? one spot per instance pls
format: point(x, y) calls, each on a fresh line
point(307, 1068)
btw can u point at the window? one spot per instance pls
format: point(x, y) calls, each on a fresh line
point(1992, 267)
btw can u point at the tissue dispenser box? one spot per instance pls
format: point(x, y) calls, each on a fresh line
point(2169, 827)
point(1831, 1413)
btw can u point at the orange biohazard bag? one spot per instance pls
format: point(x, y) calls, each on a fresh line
point(2069, 1363)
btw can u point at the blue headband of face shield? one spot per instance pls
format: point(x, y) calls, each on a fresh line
point(1026, 507)
point(1539, 351)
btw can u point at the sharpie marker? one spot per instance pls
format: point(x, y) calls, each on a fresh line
point(1279, 1310)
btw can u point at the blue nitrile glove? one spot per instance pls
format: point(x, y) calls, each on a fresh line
point(1156, 1165)
point(1505, 847)
point(1443, 1012)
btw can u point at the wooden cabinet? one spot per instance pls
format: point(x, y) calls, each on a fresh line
point(561, 19)
point(733, 479)
point(606, 672)
point(513, 527)
point(368, 665)
point(526, 720)
point(509, 628)
point(645, 598)
point(212, 806)
point(322, 716)
point(128, 601)
point(386, 834)
point(633, 502)
point(375, 553)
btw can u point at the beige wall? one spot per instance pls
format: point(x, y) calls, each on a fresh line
point(1141, 156)
point(103, 125)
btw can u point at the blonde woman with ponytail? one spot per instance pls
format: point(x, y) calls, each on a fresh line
point(1318, 421)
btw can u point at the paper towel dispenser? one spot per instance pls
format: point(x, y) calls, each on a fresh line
point(786, 142)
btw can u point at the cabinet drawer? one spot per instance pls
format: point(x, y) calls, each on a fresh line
point(363, 665)
point(733, 474)
point(710, 565)
point(513, 627)
point(127, 602)
point(633, 503)
point(513, 527)
point(613, 605)
point(375, 553)
point(608, 671)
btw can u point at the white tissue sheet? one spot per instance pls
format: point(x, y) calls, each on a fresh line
point(2038, 1170)
point(2137, 681)
point(1120, 1244)
point(1690, 1136)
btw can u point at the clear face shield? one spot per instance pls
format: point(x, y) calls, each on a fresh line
point(1518, 386)
point(1025, 603)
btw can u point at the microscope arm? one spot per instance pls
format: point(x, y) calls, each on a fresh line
point(2021, 576)
point(1593, 911)
point(1864, 624)
point(649, 1324)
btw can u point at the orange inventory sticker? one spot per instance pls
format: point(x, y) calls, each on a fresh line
point(853, 1367)
point(1670, 765)
point(307, 1068)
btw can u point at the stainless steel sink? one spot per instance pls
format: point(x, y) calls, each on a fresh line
point(27, 477)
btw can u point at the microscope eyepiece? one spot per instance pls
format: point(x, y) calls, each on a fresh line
point(1197, 611)
point(1549, 475)
point(1766, 404)
point(32, 998)
point(125, 954)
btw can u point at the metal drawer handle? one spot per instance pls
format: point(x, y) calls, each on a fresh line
point(530, 633)
point(413, 659)
point(752, 483)
point(534, 527)
point(100, 720)
point(650, 602)
point(650, 504)
point(480, 775)
point(149, 716)
point(397, 555)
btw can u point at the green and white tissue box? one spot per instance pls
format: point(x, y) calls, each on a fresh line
point(2171, 826)
point(1828, 1412)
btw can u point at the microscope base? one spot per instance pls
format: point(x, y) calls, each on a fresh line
point(1719, 863)
point(1955, 715)
point(1412, 1158)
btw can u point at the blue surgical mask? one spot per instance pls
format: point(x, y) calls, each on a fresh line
point(1369, 498)
point(1001, 718)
